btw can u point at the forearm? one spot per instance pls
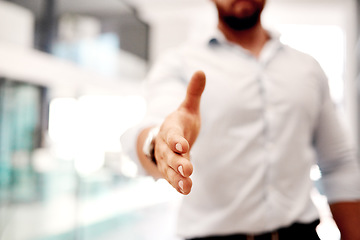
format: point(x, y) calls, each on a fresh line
point(347, 218)
point(147, 164)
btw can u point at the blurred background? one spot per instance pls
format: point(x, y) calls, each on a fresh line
point(71, 74)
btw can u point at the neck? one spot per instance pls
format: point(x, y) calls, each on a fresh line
point(252, 39)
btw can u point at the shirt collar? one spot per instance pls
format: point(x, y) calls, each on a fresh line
point(217, 37)
point(271, 47)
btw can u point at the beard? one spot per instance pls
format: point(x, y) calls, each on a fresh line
point(244, 23)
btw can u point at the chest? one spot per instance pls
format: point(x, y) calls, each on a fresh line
point(240, 92)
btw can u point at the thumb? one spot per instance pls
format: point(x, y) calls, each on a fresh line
point(194, 90)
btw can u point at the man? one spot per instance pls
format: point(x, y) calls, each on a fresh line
point(266, 117)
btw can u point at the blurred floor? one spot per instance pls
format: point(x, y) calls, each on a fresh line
point(142, 211)
point(135, 211)
point(157, 222)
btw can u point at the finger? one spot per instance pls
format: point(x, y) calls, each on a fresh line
point(178, 162)
point(177, 142)
point(194, 91)
point(174, 167)
point(181, 184)
point(174, 138)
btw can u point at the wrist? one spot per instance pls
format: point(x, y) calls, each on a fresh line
point(149, 144)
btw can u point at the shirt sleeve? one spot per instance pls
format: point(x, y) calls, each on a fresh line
point(337, 154)
point(164, 89)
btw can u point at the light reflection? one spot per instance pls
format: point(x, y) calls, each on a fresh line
point(85, 129)
point(62, 127)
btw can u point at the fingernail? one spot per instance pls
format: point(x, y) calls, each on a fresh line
point(181, 185)
point(179, 147)
point(180, 168)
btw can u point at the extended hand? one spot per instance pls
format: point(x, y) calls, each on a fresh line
point(176, 136)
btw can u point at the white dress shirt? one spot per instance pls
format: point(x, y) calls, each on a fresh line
point(265, 122)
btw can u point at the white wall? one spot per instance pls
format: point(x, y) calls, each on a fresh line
point(172, 22)
point(16, 25)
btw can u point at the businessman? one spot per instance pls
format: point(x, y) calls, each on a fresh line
point(241, 150)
